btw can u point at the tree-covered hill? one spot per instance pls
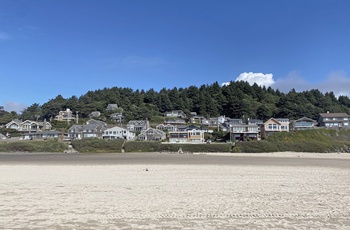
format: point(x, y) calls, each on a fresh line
point(235, 100)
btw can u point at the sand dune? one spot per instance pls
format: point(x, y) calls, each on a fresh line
point(173, 196)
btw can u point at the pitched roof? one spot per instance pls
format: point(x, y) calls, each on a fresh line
point(305, 119)
point(334, 115)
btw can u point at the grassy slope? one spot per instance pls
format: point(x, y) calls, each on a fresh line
point(33, 146)
point(318, 140)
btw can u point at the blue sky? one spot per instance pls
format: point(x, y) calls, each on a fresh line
point(69, 47)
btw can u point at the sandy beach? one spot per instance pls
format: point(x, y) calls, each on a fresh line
point(172, 191)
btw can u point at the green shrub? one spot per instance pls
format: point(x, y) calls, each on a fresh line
point(33, 146)
point(98, 145)
point(213, 147)
point(262, 146)
point(142, 146)
point(316, 140)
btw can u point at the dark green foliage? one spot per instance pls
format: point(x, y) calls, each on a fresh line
point(142, 146)
point(33, 146)
point(32, 112)
point(6, 117)
point(98, 145)
point(255, 147)
point(235, 100)
point(316, 140)
point(12, 132)
point(146, 146)
point(196, 148)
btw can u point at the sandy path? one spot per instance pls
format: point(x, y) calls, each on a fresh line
point(173, 197)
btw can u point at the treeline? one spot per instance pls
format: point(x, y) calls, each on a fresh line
point(235, 100)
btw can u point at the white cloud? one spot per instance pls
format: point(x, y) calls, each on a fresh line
point(258, 78)
point(14, 106)
point(4, 36)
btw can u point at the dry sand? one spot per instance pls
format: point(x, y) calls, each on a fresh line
point(205, 192)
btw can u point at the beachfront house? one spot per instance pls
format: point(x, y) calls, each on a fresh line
point(243, 132)
point(303, 124)
point(91, 129)
point(118, 133)
point(187, 136)
point(28, 126)
point(334, 120)
point(274, 125)
point(151, 134)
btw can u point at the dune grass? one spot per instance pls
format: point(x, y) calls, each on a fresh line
point(316, 140)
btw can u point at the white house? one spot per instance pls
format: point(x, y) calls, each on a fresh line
point(118, 132)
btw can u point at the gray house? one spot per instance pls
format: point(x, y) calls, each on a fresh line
point(334, 120)
point(175, 114)
point(92, 129)
point(112, 107)
point(137, 125)
point(303, 124)
point(151, 134)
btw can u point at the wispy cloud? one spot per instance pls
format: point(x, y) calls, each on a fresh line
point(4, 36)
point(14, 106)
point(292, 81)
point(337, 82)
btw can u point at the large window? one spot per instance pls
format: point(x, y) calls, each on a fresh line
point(273, 127)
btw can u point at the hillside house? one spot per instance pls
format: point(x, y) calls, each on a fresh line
point(274, 125)
point(112, 107)
point(95, 114)
point(175, 114)
point(116, 117)
point(175, 122)
point(303, 124)
point(137, 125)
point(66, 115)
point(166, 127)
point(337, 120)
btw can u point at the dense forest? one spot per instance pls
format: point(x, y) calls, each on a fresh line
point(235, 100)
